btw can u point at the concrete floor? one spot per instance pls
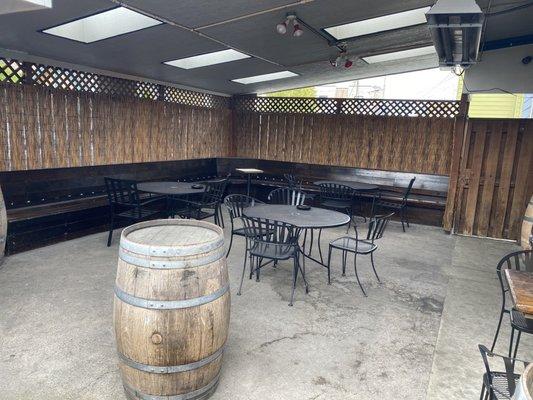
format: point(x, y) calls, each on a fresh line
point(414, 337)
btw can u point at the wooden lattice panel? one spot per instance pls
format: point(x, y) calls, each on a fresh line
point(13, 71)
point(390, 108)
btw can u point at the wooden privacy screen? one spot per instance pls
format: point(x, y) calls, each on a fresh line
point(410, 144)
point(494, 178)
point(43, 128)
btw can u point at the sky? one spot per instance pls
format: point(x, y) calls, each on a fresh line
point(431, 84)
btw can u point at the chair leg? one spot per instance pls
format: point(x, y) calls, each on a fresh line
point(110, 235)
point(320, 246)
point(243, 268)
point(230, 243)
point(373, 266)
point(294, 278)
point(406, 216)
point(221, 215)
point(497, 330)
point(511, 342)
point(259, 261)
point(303, 273)
point(344, 257)
point(516, 346)
point(356, 275)
point(402, 218)
point(482, 396)
point(329, 264)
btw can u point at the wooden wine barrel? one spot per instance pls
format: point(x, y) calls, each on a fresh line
point(527, 226)
point(524, 389)
point(3, 226)
point(171, 309)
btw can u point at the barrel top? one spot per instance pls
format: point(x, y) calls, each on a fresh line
point(173, 235)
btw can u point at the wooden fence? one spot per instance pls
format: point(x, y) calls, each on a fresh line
point(410, 144)
point(492, 179)
point(45, 128)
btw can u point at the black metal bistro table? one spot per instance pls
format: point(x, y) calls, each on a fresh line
point(171, 189)
point(249, 172)
point(314, 218)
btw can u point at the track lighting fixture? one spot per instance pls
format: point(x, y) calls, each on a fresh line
point(282, 27)
point(341, 60)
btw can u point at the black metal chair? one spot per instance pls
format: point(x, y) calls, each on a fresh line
point(292, 181)
point(288, 196)
point(519, 261)
point(235, 204)
point(209, 204)
point(275, 241)
point(349, 244)
point(337, 197)
point(124, 202)
point(401, 207)
point(498, 384)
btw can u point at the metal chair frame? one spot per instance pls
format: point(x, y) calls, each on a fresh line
point(376, 229)
point(489, 389)
point(125, 202)
point(235, 204)
point(399, 207)
point(512, 261)
point(211, 199)
point(276, 241)
point(288, 196)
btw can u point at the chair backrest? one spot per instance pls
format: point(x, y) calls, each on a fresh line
point(408, 190)
point(214, 191)
point(335, 191)
point(377, 226)
point(271, 231)
point(291, 180)
point(508, 367)
point(518, 261)
point(288, 196)
point(236, 203)
point(122, 192)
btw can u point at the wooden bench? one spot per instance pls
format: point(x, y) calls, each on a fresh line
point(47, 206)
point(426, 203)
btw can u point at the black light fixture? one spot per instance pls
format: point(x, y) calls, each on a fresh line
point(455, 27)
point(291, 18)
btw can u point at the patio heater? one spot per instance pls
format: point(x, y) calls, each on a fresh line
point(455, 27)
point(14, 6)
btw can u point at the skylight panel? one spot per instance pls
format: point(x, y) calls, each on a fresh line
point(265, 77)
point(203, 60)
point(397, 55)
point(379, 24)
point(104, 25)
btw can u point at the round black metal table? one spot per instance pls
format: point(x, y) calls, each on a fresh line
point(357, 186)
point(315, 218)
point(170, 188)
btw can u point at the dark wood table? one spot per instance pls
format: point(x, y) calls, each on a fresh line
point(521, 288)
point(170, 188)
point(357, 186)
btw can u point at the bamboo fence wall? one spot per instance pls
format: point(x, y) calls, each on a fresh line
point(410, 144)
point(43, 128)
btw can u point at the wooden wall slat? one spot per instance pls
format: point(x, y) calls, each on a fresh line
point(494, 180)
point(408, 144)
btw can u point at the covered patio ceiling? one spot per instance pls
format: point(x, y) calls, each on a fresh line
point(193, 27)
